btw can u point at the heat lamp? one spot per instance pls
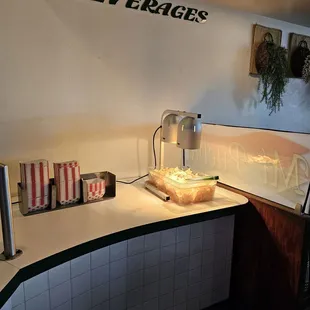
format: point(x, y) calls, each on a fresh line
point(182, 129)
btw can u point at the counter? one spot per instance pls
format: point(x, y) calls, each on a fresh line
point(53, 238)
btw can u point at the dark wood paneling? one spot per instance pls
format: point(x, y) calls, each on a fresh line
point(267, 256)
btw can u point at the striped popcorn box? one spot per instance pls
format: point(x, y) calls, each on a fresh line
point(33, 172)
point(68, 174)
point(67, 179)
point(37, 204)
point(35, 184)
point(69, 170)
point(95, 189)
point(35, 178)
point(68, 192)
point(68, 202)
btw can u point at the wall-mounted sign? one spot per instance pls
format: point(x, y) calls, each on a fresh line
point(165, 9)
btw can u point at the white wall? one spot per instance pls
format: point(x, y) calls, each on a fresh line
point(89, 81)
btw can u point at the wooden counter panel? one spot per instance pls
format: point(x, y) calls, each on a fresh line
point(267, 256)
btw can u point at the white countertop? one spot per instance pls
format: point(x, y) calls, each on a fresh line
point(42, 235)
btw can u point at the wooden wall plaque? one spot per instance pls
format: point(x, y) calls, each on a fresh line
point(294, 41)
point(258, 37)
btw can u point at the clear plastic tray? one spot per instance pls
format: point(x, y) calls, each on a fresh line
point(157, 177)
point(183, 191)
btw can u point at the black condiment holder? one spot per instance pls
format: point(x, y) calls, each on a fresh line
point(110, 192)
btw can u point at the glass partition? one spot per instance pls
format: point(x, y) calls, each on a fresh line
point(270, 164)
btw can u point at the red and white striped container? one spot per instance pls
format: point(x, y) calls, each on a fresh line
point(68, 192)
point(95, 189)
point(35, 182)
point(67, 180)
point(69, 170)
point(37, 204)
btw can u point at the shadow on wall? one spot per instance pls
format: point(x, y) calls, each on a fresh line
point(234, 100)
point(245, 93)
point(94, 141)
point(238, 102)
point(305, 103)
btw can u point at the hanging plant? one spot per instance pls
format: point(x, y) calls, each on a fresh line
point(271, 64)
point(306, 70)
point(298, 58)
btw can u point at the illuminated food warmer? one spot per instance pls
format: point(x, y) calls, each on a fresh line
point(183, 186)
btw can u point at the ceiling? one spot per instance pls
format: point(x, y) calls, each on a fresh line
point(293, 11)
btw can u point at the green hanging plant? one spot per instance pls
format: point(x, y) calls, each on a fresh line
point(272, 65)
point(306, 70)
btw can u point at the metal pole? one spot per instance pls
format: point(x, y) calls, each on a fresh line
point(6, 213)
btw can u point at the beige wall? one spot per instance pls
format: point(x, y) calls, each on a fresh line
point(89, 81)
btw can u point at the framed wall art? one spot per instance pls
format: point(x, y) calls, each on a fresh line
point(260, 34)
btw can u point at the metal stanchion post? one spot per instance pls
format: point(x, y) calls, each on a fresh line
point(10, 251)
